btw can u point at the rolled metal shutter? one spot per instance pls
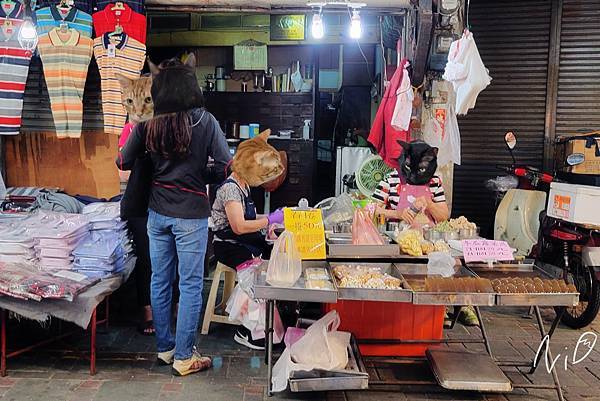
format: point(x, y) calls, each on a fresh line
point(513, 40)
point(578, 100)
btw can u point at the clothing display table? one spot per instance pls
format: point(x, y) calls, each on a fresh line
point(82, 311)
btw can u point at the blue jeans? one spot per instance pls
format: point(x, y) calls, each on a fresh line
point(171, 240)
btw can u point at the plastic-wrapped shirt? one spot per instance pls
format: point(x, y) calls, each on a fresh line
point(466, 72)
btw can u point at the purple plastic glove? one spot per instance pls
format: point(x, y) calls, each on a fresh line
point(276, 217)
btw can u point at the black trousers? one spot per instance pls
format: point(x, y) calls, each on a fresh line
point(233, 255)
point(143, 266)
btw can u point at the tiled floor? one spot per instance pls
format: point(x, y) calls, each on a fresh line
point(126, 368)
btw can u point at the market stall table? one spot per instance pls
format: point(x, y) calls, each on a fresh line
point(448, 374)
point(82, 311)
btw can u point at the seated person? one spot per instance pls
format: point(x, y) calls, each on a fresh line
point(234, 222)
point(414, 191)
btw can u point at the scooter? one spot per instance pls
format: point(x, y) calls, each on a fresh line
point(572, 248)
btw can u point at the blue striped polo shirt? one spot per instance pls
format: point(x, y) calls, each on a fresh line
point(50, 17)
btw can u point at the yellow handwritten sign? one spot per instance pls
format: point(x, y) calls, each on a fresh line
point(307, 226)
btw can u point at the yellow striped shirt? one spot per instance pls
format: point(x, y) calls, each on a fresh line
point(123, 56)
point(66, 57)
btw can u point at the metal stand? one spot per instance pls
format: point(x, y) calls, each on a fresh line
point(381, 361)
point(4, 354)
point(269, 348)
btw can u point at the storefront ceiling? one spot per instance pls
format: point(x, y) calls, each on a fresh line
point(262, 4)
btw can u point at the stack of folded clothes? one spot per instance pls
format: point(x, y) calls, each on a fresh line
point(108, 249)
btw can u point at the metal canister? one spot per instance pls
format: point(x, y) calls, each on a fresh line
point(220, 72)
point(235, 130)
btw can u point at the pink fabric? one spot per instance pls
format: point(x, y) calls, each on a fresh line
point(407, 194)
point(125, 134)
point(383, 136)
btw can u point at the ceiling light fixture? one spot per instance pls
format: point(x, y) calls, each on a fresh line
point(355, 25)
point(317, 29)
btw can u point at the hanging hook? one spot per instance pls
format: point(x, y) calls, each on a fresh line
point(468, 25)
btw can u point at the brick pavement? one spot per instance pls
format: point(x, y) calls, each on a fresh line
point(126, 369)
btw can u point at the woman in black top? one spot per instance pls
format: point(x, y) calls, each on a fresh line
point(179, 139)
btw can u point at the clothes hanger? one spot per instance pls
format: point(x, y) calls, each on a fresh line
point(117, 32)
point(64, 27)
point(64, 5)
point(119, 6)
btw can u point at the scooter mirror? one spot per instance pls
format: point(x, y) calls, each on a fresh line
point(510, 139)
point(575, 159)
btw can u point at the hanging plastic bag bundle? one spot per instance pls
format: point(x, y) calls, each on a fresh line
point(285, 265)
point(363, 229)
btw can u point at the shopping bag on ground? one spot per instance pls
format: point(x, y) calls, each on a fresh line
point(285, 265)
point(322, 347)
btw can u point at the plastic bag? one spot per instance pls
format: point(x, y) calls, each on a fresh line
point(321, 347)
point(441, 264)
point(252, 314)
point(363, 229)
point(502, 183)
point(336, 210)
point(292, 335)
point(285, 265)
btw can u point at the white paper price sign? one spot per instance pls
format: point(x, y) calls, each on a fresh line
point(483, 250)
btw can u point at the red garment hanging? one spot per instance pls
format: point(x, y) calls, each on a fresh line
point(383, 136)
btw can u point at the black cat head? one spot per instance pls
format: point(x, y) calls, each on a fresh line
point(418, 162)
point(174, 86)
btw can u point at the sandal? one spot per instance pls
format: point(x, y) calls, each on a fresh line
point(196, 363)
point(146, 328)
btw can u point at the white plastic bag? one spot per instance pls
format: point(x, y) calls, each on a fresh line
point(251, 314)
point(404, 103)
point(285, 265)
point(336, 210)
point(441, 264)
point(322, 347)
point(440, 126)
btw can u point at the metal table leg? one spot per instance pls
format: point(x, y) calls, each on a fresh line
point(543, 334)
point(3, 343)
point(486, 341)
point(559, 315)
point(269, 348)
point(93, 344)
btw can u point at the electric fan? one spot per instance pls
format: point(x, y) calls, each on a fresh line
point(370, 173)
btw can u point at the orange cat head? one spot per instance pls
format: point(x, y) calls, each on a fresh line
point(257, 162)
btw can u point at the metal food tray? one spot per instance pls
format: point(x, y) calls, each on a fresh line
point(413, 274)
point(354, 377)
point(298, 292)
point(371, 294)
point(527, 299)
point(340, 245)
point(460, 370)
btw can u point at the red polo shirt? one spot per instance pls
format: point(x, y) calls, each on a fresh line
point(134, 24)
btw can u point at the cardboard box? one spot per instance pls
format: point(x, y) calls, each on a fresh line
point(574, 203)
point(587, 145)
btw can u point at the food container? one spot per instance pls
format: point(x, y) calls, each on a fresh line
point(244, 132)
point(416, 275)
point(432, 236)
point(450, 235)
point(523, 270)
point(403, 294)
point(254, 129)
point(468, 233)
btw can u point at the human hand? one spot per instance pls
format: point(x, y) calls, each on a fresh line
point(421, 203)
point(408, 216)
point(379, 210)
point(276, 217)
